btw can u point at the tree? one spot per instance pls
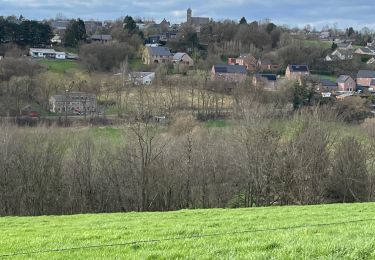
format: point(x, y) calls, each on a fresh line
point(334, 46)
point(243, 20)
point(75, 33)
point(130, 24)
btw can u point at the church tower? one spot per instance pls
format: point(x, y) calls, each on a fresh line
point(189, 15)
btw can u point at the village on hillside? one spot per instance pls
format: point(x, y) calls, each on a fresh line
point(332, 64)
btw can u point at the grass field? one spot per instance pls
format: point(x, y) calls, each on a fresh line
point(325, 232)
point(59, 66)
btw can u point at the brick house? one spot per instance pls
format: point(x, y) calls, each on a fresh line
point(231, 73)
point(346, 83)
point(247, 60)
point(157, 54)
point(297, 71)
point(326, 85)
point(267, 65)
point(365, 77)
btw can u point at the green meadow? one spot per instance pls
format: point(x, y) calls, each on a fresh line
point(298, 232)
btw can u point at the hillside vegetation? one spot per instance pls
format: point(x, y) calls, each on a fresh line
point(325, 231)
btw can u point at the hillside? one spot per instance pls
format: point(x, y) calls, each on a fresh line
point(326, 231)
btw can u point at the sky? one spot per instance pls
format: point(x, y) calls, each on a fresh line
point(318, 13)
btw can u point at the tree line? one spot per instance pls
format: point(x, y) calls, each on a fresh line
point(23, 33)
point(148, 167)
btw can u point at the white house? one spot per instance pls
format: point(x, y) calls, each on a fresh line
point(42, 53)
point(47, 53)
point(142, 78)
point(56, 39)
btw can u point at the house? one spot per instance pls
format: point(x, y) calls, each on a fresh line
point(372, 84)
point(102, 38)
point(297, 71)
point(152, 55)
point(47, 53)
point(73, 103)
point(268, 81)
point(340, 55)
point(182, 58)
point(369, 51)
point(326, 85)
point(267, 65)
point(371, 44)
point(56, 39)
point(344, 46)
point(345, 83)
point(231, 73)
point(247, 60)
point(371, 61)
point(365, 77)
point(142, 78)
point(324, 35)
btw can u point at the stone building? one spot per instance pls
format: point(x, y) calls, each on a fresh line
point(73, 103)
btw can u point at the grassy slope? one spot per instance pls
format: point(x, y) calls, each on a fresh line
point(350, 240)
point(59, 66)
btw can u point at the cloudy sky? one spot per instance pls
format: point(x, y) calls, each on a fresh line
point(357, 13)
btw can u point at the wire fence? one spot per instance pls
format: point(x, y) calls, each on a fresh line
point(232, 233)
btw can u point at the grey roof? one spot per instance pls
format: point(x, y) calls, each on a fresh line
point(269, 77)
point(159, 51)
point(343, 78)
point(179, 55)
point(230, 69)
point(299, 68)
point(140, 75)
point(343, 45)
point(366, 74)
point(366, 50)
point(327, 83)
point(101, 37)
point(46, 51)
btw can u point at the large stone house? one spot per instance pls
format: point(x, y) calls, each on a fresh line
point(365, 77)
point(158, 54)
point(73, 103)
point(231, 73)
point(345, 83)
point(296, 72)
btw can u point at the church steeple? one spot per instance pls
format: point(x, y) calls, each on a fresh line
point(189, 15)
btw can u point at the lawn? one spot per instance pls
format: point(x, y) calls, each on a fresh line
point(59, 66)
point(298, 232)
point(323, 44)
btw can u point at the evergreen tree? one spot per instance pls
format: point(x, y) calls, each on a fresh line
point(75, 33)
point(243, 20)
